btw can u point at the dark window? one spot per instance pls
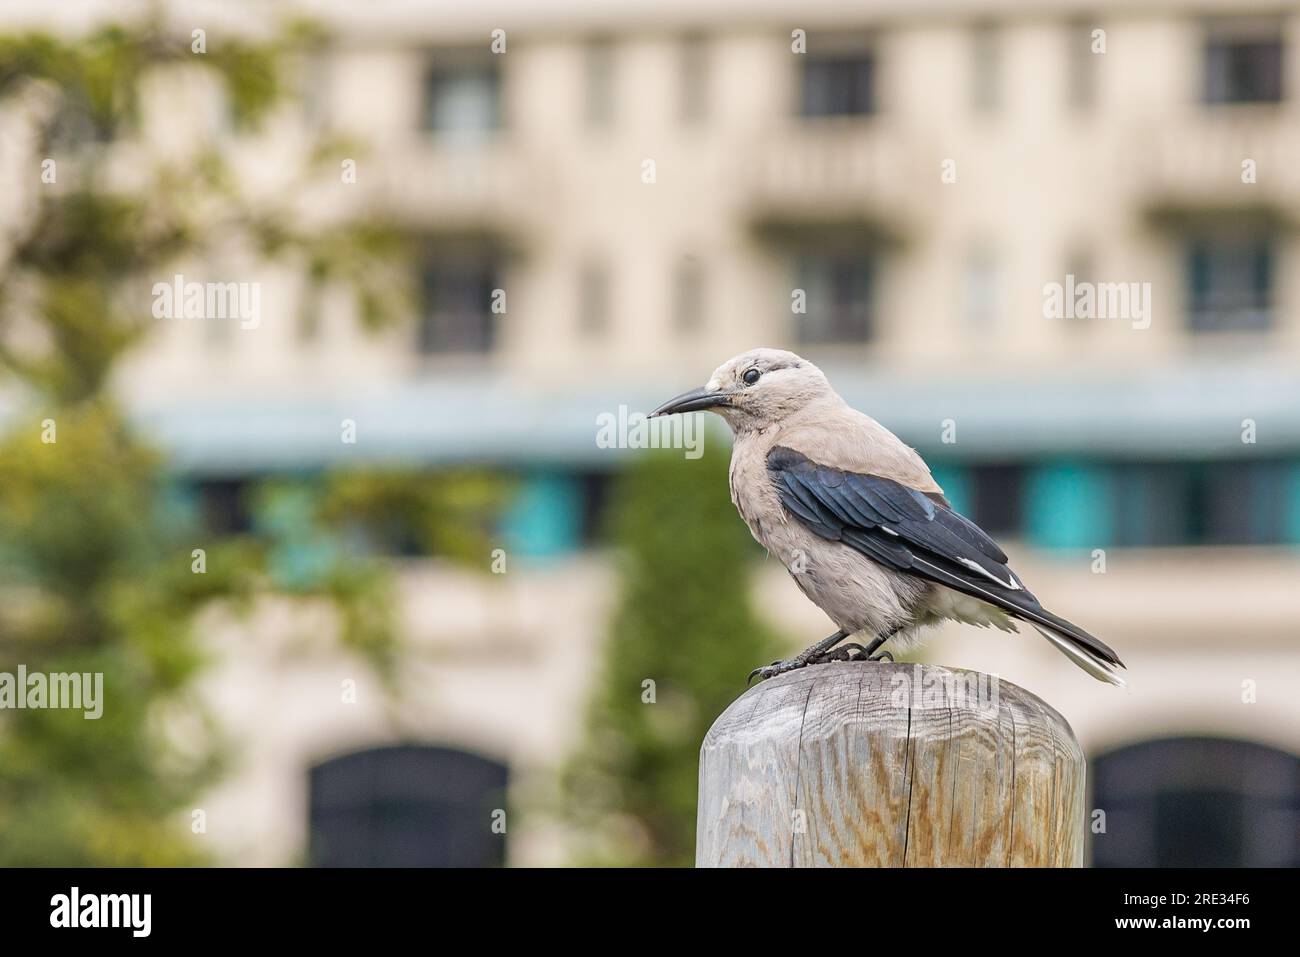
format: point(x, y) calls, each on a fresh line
point(1151, 505)
point(1219, 503)
point(599, 84)
point(225, 506)
point(384, 529)
point(1230, 284)
point(1197, 802)
point(839, 291)
point(1082, 63)
point(986, 68)
point(997, 498)
point(1245, 503)
point(838, 84)
point(1244, 67)
point(596, 493)
point(457, 312)
point(406, 806)
point(462, 98)
point(694, 74)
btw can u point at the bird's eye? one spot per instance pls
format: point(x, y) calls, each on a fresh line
point(751, 376)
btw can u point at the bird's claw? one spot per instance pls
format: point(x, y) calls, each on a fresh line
point(849, 652)
point(778, 667)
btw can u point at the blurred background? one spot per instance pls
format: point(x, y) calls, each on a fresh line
point(364, 585)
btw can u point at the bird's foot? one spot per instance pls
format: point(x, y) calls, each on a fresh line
point(850, 652)
point(778, 667)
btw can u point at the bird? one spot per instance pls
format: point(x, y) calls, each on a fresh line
point(860, 523)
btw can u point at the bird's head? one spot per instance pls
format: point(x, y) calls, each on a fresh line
point(755, 390)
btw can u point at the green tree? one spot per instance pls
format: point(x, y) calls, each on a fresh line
point(685, 622)
point(95, 549)
point(96, 578)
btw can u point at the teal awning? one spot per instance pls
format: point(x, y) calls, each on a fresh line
point(1173, 412)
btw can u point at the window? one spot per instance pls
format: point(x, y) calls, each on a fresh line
point(997, 495)
point(688, 296)
point(593, 299)
point(1217, 503)
point(599, 84)
point(1243, 62)
point(462, 100)
point(986, 69)
point(1197, 802)
point(838, 289)
point(597, 493)
point(225, 506)
point(694, 74)
point(1243, 503)
point(838, 84)
point(457, 312)
point(1151, 503)
point(1230, 284)
point(406, 806)
point(1082, 62)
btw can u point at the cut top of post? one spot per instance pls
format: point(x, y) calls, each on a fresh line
point(890, 765)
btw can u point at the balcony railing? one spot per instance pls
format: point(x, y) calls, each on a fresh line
point(490, 186)
point(1201, 163)
point(830, 171)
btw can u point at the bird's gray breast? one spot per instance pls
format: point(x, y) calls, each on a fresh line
point(756, 498)
point(856, 592)
point(753, 494)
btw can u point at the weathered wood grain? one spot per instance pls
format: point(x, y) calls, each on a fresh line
point(890, 765)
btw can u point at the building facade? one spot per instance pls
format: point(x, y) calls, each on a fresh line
point(1052, 246)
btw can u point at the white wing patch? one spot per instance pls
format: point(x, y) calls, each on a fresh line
point(975, 566)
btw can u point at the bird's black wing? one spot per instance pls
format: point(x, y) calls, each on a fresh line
point(912, 532)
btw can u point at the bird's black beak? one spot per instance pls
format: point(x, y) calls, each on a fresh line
point(696, 400)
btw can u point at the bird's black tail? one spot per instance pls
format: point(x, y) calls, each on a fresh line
point(1090, 654)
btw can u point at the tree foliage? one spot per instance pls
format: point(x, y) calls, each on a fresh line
point(96, 567)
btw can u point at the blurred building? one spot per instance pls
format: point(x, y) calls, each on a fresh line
point(922, 199)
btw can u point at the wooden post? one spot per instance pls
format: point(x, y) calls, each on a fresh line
point(890, 765)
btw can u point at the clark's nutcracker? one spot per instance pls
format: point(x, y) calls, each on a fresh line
point(855, 516)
